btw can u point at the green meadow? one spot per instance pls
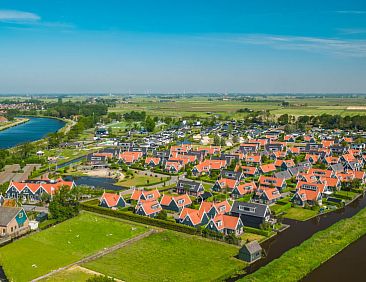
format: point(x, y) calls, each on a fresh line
point(65, 243)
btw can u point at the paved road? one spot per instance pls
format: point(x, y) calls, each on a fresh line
point(35, 208)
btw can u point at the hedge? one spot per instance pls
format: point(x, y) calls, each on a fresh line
point(262, 232)
point(141, 219)
point(283, 208)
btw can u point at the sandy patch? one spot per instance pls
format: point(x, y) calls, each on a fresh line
point(105, 172)
point(356, 108)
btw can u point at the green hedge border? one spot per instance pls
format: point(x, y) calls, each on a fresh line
point(141, 219)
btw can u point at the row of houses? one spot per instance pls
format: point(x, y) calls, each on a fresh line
point(216, 216)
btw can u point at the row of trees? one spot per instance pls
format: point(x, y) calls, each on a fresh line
point(357, 122)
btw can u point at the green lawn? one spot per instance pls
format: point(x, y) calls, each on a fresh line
point(73, 274)
point(300, 213)
point(38, 254)
point(248, 237)
point(296, 263)
point(170, 256)
point(141, 180)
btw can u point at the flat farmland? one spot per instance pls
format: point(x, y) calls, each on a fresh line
point(65, 243)
point(170, 256)
point(204, 106)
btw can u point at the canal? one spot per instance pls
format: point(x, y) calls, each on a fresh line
point(345, 266)
point(300, 231)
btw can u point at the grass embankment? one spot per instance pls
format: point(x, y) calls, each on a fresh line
point(65, 243)
point(141, 180)
point(301, 260)
point(15, 122)
point(301, 214)
point(170, 256)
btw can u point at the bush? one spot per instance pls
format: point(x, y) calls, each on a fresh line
point(262, 232)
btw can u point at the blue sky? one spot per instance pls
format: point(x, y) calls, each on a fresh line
point(174, 46)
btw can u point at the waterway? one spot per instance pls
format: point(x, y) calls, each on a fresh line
point(300, 231)
point(345, 266)
point(96, 182)
point(34, 129)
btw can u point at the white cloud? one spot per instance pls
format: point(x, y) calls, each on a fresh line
point(352, 12)
point(14, 16)
point(330, 46)
point(352, 30)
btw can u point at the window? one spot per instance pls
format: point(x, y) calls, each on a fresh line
point(247, 209)
point(181, 201)
point(149, 196)
point(219, 223)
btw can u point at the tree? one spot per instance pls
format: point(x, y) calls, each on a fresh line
point(236, 139)
point(217, 140)
point(64, 204)
point(149, 124)
point(162, 215)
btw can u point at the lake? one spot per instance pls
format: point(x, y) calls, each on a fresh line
point(36, 128)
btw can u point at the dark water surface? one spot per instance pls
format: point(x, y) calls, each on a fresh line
point(300, 231)
point(36, 128)
point(96, 182)
point(345, 266)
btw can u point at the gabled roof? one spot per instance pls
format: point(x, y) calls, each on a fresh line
point(270, 181)
point(246, 188)
point(180, 200)
point(195, 215)
point(222, 221)
point(149, 207)
point(48, 187)
point(249, 169)
point(7, 214)
point(257, 210)
point(156, 161)
point(268, 168)
point(221, 207)
point(308, 195)
point(137, 193)
point(271, 193)
point(253, 247)
point(227, 183)
point(111, 199)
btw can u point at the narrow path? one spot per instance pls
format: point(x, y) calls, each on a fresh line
point(99, 254)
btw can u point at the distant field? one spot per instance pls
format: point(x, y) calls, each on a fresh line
point(42, 252)
point(205, 107)
point(170, 256)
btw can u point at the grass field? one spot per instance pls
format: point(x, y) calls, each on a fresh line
point(201, 106)
point(300, 213)
point(38, 254)
point(296, 263)
point(140, 180)
point(72, 274)
point(170, 256)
